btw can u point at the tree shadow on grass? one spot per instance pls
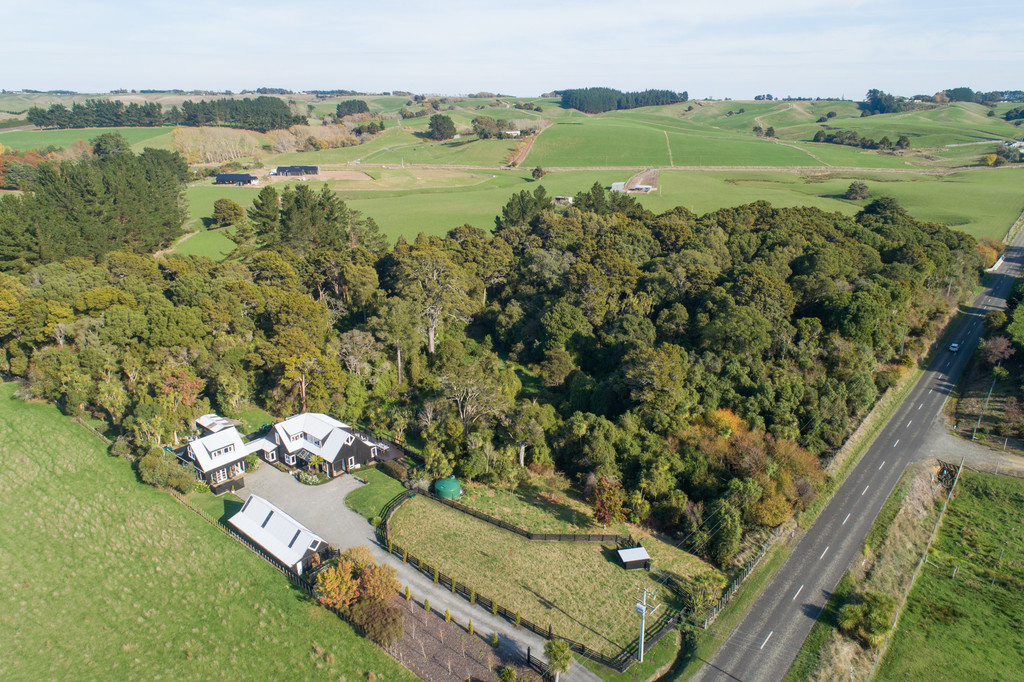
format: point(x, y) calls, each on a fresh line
point(547, 603)
point(534, 495)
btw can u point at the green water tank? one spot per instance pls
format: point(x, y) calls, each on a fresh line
point(448, 488)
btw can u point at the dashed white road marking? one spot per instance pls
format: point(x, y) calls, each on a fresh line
point(882, 464)
point(846, 519)
point(822, 554)
point(767, 638)
point(922, 404)
point(896, 443)
point(865, 490)
point(908, 423)
point(796, 595)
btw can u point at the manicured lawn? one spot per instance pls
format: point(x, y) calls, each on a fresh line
point(579, 588)
point(371, 498)
point(107, 578)
point(253, 418)
point(967, 627)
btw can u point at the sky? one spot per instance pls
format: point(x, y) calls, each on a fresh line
point(737, 49)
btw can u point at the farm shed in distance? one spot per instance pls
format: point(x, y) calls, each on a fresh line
point(288, 171)
point(286, 539)
point(635, 557)
point(237, 179)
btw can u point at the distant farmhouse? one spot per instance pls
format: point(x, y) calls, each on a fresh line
point(237, 179)
point(295, 171)
point(280, 535)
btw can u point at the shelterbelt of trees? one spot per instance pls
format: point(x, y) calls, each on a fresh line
point(598, 100)
point(690, 371)
point(260, 114)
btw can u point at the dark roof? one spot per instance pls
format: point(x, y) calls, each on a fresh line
point(312, 170)
point(235, 177)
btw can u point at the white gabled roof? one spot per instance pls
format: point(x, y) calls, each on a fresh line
point(273, 530)
point(264, 444)
point(332, 434)
point(203, 449)
point(214, 422)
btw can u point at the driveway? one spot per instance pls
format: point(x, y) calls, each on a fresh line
point(321, 508)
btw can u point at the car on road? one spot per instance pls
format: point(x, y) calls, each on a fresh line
point(954, 348)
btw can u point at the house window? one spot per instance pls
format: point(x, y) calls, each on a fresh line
point(220, 475)
point(271, 456)
point(289, 459)
point(351, 462)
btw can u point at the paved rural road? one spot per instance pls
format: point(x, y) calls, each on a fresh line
point(764, 644)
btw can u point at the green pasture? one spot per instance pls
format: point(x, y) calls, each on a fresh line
point(983, 203)
point(967, 626)
point(408, 201)
point(107, 578)
point(37, 139)
point(579, 588)
point(599, 142)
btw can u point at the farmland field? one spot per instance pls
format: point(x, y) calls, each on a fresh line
point(967, 626)
point(579, 588)
point(139, 138)
point(107, 578)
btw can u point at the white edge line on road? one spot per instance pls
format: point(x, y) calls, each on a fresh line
point(797, 593)
point(767, 638)
point(865, 490)
point(822, 554)
point(846, 519)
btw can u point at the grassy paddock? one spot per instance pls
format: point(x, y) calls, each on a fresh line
point(967, 626)
point(107, 578)
point(542, 505)
point(580, 589)
point(37, 139)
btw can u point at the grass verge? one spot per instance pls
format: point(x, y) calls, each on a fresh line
point(709, 641)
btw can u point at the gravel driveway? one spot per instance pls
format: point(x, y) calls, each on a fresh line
point(321, 508)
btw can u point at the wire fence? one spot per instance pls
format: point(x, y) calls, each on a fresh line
point(712, 613)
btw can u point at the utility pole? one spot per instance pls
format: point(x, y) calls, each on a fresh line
point(643, 608)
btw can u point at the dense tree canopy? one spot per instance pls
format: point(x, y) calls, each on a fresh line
point(597, 100)
point(260, 114)
point(116, 200)
point(697, 367)
point(441, 127)
point(351, 107)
